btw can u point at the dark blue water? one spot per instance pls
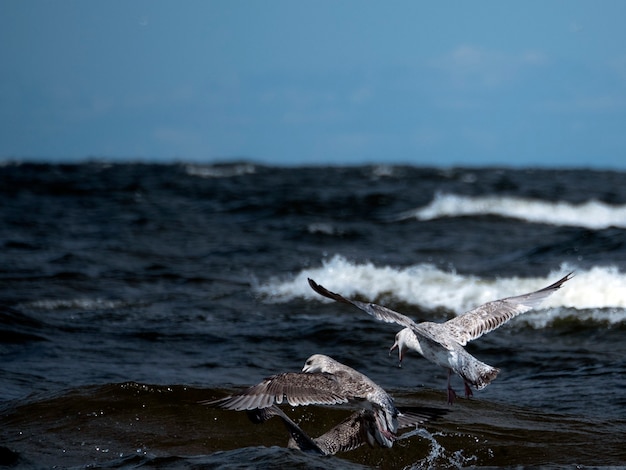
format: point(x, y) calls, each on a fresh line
point(129, 293)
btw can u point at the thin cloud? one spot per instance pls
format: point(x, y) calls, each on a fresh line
point(477, 66)
point(618, 65)
point(361, 95)
point(591, 103)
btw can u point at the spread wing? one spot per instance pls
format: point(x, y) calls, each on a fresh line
point(411, 417)
point(361, 428)
point(489, 316)
point(296, 388)
point(349, 434)
point(377, 311)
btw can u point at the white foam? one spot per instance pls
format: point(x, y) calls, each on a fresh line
point(600, 291)
point(79, 303)
point(220, 171)
point(592, 214)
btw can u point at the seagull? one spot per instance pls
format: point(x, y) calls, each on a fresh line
point(442, 343)
point(323, 381)
point(358, 429)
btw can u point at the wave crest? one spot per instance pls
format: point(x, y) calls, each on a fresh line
point(592, 214)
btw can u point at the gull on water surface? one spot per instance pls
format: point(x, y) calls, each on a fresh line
point(358, 429)
point(323, 381)
point(442, 343)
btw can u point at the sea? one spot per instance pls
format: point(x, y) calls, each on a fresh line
point(131, 293)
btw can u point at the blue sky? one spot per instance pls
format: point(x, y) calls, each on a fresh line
point(539, 83)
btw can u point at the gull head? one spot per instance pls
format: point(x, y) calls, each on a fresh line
point(401, 343)
point(319, 363)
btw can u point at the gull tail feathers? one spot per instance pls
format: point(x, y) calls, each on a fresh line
point(475, 372)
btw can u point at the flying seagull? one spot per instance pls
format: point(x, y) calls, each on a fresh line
point(358, 429)
point(323, 381)
point(442, 343)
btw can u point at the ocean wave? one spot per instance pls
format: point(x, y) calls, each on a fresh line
point(599, 291)
point(592, 214)
point(137, 425)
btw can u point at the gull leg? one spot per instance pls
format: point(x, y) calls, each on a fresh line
point(451, 392)
point(468, 390)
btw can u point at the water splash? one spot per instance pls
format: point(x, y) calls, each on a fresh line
point(438, 456)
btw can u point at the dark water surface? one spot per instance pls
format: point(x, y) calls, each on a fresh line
point(129, 293)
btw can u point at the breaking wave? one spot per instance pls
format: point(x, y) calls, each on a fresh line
point(592, 214)
point(596, 294)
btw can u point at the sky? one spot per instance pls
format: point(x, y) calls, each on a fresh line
point(288, 82)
